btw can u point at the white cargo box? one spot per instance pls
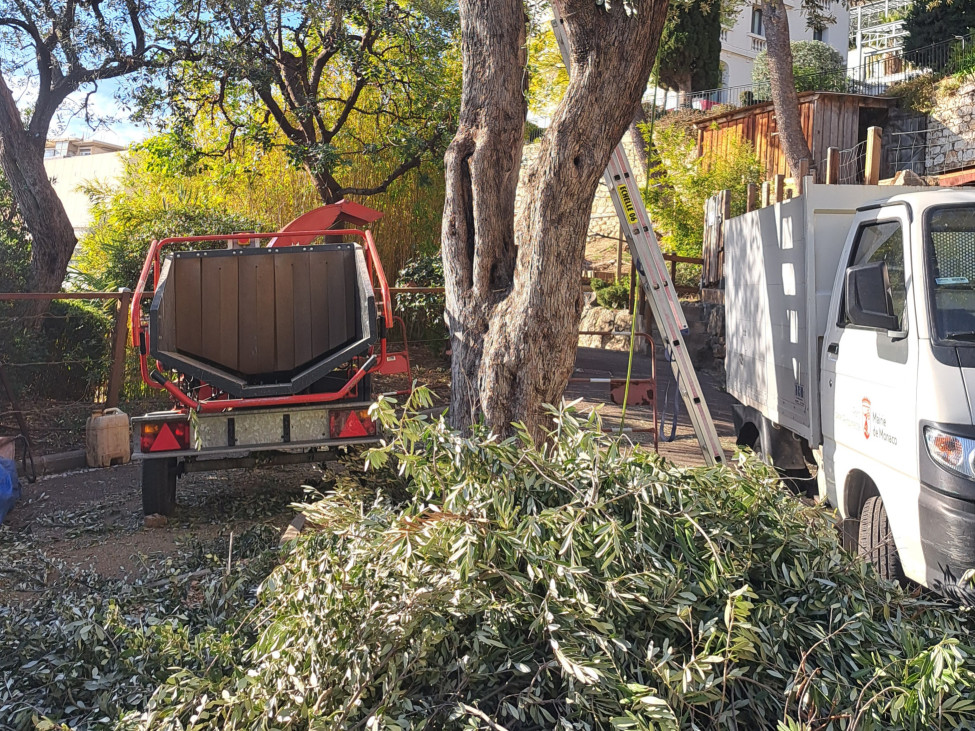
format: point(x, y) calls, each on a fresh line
point(780, 263)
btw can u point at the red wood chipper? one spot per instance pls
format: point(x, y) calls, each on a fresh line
point(267, 344)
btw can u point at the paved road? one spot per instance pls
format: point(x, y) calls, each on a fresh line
point(684, 449)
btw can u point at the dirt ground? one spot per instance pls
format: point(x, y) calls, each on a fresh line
point(92, 519)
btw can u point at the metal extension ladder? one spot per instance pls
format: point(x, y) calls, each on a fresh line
point(655, 278)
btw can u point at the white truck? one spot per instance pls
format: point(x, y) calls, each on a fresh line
point(850, 332)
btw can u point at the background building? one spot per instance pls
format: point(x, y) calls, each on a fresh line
point(72, 163)
point(741, 43)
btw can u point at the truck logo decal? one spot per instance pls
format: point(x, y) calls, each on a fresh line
point(627, 202)
point(866, 418)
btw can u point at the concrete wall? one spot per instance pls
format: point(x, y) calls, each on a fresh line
point(69, 174)
point(951, 129)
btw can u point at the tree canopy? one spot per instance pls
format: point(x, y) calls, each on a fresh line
point(338, 79)
point(816, 66)
point(690, 47)
point(934, 21)
point(50, 49)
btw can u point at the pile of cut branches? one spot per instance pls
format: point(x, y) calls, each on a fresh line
point(581, 583)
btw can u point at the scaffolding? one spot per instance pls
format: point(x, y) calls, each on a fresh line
point(878, 25)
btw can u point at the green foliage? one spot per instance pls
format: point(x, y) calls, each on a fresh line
point(683, 183)
point(92, 650)
point(330, 84)
point(934, 21)
point(817, 66)
point(547, 75)
point(14, 244)
point(66, 357)
point(127, 219)
point(919, 93)
point(423, 313)
point(581, 583)
point(613, 295)
point(688, 57)
point(577, 583)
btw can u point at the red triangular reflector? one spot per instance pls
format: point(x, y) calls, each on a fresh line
point(165, 441)
point(353, 427)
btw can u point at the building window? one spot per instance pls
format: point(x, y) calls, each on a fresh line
point(84, 151)
point(757, 28)
point(819, 34)
point(49, 152)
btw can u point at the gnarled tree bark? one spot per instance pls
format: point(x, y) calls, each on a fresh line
point(785, 99)
point(513, 292)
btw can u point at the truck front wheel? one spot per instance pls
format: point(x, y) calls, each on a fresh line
point(876, 542)
point(159, 486)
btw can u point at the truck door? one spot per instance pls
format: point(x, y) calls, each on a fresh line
point(868, 389)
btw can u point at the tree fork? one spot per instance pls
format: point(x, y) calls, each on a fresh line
point(514, 328)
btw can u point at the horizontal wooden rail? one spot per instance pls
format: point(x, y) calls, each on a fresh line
point(684, 259)
point(11, 296)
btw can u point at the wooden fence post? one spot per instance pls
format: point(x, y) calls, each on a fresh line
point(119, 339)
point(766, 193)
point(725, 215)
point(778, 183)
point(871, 169)
point(832, 165)
point(751, 197)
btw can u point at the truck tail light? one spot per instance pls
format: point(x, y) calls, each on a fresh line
point(164, 436)
point(351, 423)
point(954, 453)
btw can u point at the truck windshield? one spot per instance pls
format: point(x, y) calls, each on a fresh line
point(951, 271)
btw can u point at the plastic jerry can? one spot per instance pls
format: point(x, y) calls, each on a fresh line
point(107, 438)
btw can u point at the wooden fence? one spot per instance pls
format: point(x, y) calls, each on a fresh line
point(717, 209)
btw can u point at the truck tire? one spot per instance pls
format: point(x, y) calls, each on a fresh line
point(159, 486)
point(876, 542)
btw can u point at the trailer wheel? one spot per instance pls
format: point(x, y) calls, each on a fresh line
point(159, 486)
point(876, 542)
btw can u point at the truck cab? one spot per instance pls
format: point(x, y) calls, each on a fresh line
point(897, 371)
point(850, 314)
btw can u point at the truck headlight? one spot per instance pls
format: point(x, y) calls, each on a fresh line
point(956, 454)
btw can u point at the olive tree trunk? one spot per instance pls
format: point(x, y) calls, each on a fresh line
point(513, 286)
point(22, 161)
point(785, 99)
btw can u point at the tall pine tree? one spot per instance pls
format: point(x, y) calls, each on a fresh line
point(690, 47)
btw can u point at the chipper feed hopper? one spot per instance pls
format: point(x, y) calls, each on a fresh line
point(266, 350)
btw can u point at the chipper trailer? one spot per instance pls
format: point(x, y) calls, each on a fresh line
point(266, 344)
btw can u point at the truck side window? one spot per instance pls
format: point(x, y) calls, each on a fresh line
point(884, 241)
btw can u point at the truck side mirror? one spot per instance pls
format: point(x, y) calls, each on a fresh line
point(868, 300)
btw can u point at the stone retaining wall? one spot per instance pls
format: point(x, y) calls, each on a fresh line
point(951, 129)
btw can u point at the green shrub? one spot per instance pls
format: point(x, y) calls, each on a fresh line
point(126, 220)
point(816, 66)
point(422, 313)
point(919, 93)
point(612, 295)
point(681, 183)
point(66, 357)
